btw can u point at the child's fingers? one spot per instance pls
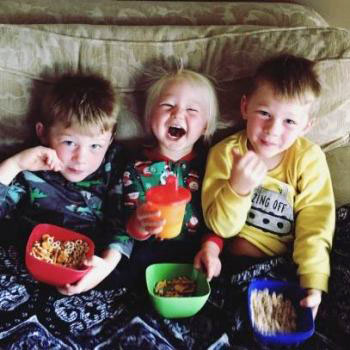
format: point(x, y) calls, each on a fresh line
point(147, 210)
point(213, 268)
point(251, 160)
point(246, 158)
point(153, 227)
point(258, 170)
point(150, 218)
point(52, 161)
point(92, 261)
point(67, 289)
point(210, 272)
point(205, 268)
point(236, 155)
point(217, 269)
point(197, 262)
point(252, 166)
point(57, 165)
point(311, 300)
point(202, 263)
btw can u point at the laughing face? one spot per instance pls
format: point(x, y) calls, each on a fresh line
point(179, 118)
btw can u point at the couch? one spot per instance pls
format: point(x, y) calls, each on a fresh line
point(40, 39)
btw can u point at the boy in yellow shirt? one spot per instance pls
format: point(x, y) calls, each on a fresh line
point(268, 187)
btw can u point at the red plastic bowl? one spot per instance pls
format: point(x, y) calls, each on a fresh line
point(54, 274)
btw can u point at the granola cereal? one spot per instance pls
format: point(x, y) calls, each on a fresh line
point(272, 313)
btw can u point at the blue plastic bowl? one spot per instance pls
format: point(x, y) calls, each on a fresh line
point(305, 323)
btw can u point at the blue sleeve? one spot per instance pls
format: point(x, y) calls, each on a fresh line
point(115, 219)
point(10, 196)
point(120, 239)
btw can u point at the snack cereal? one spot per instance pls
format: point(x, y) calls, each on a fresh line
point(70, 253)
point(177, 287)
point(272, 313)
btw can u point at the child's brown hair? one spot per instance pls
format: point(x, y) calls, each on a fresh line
point(87, 100)
point(290, 76)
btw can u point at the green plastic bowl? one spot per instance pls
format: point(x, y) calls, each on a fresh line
point(177, 307)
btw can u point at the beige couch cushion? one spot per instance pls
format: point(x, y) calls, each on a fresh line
point(225, 40)
point(30, 55)
point(114, 12)
point(339, 165)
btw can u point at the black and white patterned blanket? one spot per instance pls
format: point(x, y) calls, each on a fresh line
point(34, 316)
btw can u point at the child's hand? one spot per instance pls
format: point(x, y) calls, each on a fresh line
point(208, 258)
point(312, 300)
point(248, 172)
point(38, 158)
point(146, 221)
point(100, 269)
point(90, 280)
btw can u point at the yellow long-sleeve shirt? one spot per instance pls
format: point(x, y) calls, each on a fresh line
point(293, 208)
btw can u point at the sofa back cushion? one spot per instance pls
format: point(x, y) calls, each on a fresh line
point(158, 13)
point(33, 54)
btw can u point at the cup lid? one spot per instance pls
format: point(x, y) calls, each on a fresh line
point(168, 194)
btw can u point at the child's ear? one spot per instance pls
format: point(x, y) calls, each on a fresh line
point(244, 103)
point(40, 132)
point(308, 126)
point(205, 129)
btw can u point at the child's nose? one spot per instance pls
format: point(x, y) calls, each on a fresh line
point(80, 154)
point(178, 112)
point(273, 127)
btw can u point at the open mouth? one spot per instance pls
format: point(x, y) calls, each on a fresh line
point(176, 132)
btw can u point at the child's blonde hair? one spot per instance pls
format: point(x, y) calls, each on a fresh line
point(290, 76)
point(87, 100)
point(154, 91)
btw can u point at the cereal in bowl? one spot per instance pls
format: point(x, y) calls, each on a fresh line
point(272, 313)
point(69, 253)
point(177, 287)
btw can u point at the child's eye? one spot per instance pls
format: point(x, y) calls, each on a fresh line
point(264, 113)
point(291, 122)
point(68, 143)
point(166, 105)
point(96, 146)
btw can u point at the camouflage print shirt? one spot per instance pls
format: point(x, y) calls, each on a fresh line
point(91, 206)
